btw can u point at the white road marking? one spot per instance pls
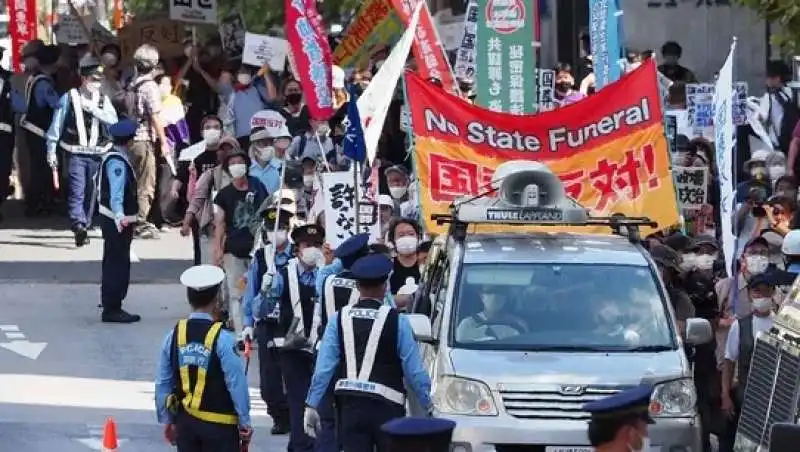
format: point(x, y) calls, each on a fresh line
point(19, 344)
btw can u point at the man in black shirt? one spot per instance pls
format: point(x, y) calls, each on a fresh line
point(671, 51)
point(404, 235)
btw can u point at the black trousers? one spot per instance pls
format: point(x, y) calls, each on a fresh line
point(116, 273)
point(6, 162)
point(362, 418)
point(40, 191)
point(195, 435)
point(270, 375)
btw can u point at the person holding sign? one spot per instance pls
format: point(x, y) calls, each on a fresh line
point(252, 92)
point(79, 126)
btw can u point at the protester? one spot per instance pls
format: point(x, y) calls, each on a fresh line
point(273, 146)
point(776, 112)
point(565, 92)
point(671, 52)
point(294, 110)
point(314, 143)
point(404, 235)
point(252, 91)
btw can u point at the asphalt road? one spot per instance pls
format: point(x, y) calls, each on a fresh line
point(62, 371)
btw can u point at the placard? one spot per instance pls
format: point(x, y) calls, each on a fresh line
point(70, 30)
point(671, 132)
point(465, 56)
point(232, 32)
point(691, 185)
point(261, 49)
point(547, 87)
point(194, 11)
point(700, 104)
point(164, 34)
point(340, 210)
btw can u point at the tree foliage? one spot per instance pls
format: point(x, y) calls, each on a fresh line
point(783, 13)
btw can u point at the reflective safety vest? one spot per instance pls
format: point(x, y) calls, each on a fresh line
point(83, 133)
point(37, 119)
point(102, 194)
point(371, 334)
point(202, 392)
point(296, 322)
point(340, 291)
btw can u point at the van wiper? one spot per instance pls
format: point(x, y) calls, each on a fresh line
point(566, 348)
point(650, 348)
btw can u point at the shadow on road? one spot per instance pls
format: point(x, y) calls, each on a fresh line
point(151, 271)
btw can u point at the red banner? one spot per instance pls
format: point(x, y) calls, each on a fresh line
point(312, 55)
point(22, 22)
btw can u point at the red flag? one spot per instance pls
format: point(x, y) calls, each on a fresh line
point(312, 55)
point(23, 27)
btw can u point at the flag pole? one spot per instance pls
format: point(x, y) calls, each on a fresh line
point(357, 196)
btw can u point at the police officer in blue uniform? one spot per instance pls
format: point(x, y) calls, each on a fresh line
point(11, 102)
point(202, 397)
point(118, 208)
point(79, 126)
point(42, 100)
point(259, 313)
point(369, 389)
point(420, 434)
point(619, 422)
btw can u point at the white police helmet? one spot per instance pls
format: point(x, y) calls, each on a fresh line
point(791, 243)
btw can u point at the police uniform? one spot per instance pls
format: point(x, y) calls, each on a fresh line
point(294, 290)
point(609, 415)
point(339, 290)
point(118, 208)
point(418, 434)
point(42, 100)
point(201, 387)
point(79, 127)
point(258, 313)
point(370, 348)
point(11, 102)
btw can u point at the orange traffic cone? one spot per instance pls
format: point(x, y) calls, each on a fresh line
point(110, 436)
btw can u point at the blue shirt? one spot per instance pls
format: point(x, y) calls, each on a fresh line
point(329, 358)
point(18, 104)
point(334, 268)
point(44, 93)
point(117, 176)
point(269, 175)
point(271, 308)
point(232, 367)
point(107, 116)
point(251, 300)
point(247, 103)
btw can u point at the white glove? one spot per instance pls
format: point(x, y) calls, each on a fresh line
point(118, 221)
point(311, 422)
point(247, 334)
point(266, 282)
point(52, 160)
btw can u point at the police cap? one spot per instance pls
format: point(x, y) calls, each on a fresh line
point(666, 257)
point(271, 214)
point(355, 245)
point(310, 234)
point(633, 402)
point(679, 242)
point(762, 279)
point(703, 240)
point(203, 280)
point(48, 55)
point(373, 268)
point(90, 66)
point(123, 128)
point(419, 433)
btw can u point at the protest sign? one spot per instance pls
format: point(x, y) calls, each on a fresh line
point(505, 56)
point(691, 185)
point(312, 56)
point(605, 23)
point(271, 120)
point(70, 30)
point(547, 87)
point(232, 34)
point(465, 56)
point(22, 28)
point(700, 104)
point(740, 103)
point(723, 140)
point(261, 49)
point(340, 210)
point(190, 153)
point(193, 11)
point(609, 149)
point(671, 132)
point(164, 34)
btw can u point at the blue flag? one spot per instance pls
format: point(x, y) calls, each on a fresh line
point(355, 148)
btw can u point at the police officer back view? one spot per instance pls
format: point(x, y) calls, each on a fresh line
point(201, 388)
point(10, 102)
point(379, 351)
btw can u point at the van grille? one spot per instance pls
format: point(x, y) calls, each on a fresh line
point(551, 403)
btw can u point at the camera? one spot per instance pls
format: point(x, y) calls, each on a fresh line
point(758, 196)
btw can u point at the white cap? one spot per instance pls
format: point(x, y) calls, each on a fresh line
point(201, 277)
point(385, 200)
point(259, 135)
point(337, 77)
point(283, 132)
point(791, 243)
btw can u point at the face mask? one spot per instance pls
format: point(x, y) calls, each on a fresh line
point(308, 180)
point(323, 130)
point(688, 262)
point(563, 86)
point(294, 98)
point(211, 135)
point(93, 87)
point(756, 264)
point(705, 261)
point(406, 245)
point(762, 304)
point(398, 192)
point(266, 153)
point(237, 170)
point(109, 59)
point(244, 79)
point(776, 172)
point(311, 255)
point(278, 237)
point(165, 90)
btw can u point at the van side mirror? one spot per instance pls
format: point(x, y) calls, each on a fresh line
point(698, 331)
point(421, 325)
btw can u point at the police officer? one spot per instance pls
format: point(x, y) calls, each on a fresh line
point(80, 126)
point(370, 390)
point(118, 209)
point(42, 100)
point(420, 434)
point(257, 311)
point(294, 290)
point(10, 102)
point(201, 388)
point(338, 290)
point(619, 422)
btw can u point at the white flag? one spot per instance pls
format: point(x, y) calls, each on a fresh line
point(375, 100)
point(723, 131)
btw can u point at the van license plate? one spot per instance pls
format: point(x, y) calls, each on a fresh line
point(567, 449)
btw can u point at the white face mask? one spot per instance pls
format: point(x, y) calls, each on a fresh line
point(211, 135)
point(311, 256)
point(244, 79)
point(237, 170)
point(406, 245)
point(398, 192)
point(93, 87)
point(705, 261)
point(756, 264)
point(776, 172)
point(308, 180)
point(109, 59)
point(278, 238)
point(762, 305)
point(689, 262)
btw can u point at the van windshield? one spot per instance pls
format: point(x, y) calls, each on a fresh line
point(534, 306)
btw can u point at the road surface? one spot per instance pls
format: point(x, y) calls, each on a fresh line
point(62, 371)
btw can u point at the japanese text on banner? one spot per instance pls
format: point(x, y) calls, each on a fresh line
point(340, 209)
point(465, 55)
point(312, 56)
point(691, 184)
point(22, 28)
point(193, 11)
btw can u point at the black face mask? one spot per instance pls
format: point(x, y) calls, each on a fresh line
point(563, 86)
point(337, 140)
point(294, 98)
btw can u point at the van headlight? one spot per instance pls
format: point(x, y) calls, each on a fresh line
point(676, 398)
point(456, 395)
